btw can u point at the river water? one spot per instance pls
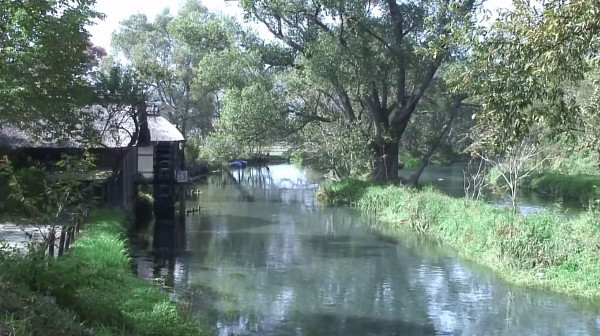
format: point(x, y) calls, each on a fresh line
point(449, 179)
point(269, 260)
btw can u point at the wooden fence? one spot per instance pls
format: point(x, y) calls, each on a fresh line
point(66, 236)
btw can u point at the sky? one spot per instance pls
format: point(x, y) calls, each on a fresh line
point(118, 10)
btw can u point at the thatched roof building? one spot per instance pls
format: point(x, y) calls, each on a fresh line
point(105, 129)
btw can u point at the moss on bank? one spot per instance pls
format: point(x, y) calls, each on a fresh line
point(542, 250)
point(94, 284)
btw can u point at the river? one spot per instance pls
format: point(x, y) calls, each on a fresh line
point(449, 179)
point(272, 261)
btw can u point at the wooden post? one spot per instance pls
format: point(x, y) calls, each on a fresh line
point(78, 221)
point(61, 243)
point(69, 239)
point(51, 238)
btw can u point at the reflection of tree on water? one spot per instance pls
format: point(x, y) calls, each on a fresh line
point(258, 183)
point(160, 252)
point(308, 282)
point(265, 268)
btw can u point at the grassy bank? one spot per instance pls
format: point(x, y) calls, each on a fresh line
point(24, 313)
point(544, 251)
point(579, 187)
point(94, 285)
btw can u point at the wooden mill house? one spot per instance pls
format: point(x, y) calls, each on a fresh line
point(123, 160)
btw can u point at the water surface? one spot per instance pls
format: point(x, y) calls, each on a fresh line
point(278, 263)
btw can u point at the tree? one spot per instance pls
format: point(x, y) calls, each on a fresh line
point(45, 55)
point(48, 196)
point(375, 60)
point(524, 70)
point(518, 162)
point(166, 54)
point(118, 118)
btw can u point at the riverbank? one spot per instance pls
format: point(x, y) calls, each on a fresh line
point(582, 188)
point(543, 250)
point(92, 287)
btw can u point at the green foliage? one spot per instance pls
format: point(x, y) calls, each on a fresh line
point(409, 161)
point(253, 117)
point(365, 68)
point(221, 147)
point(524, 68)
point(543, 250)
point(570, 173)
point(584, 188)
point(94, 280)
point(186, 59)
point(119, 85)
point(44, 56)
point(345, 191)
point(336, 147)
point(570, 156)
point(31, 180)
point(46, 195)
point(23, 313)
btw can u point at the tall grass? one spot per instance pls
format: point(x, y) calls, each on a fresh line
point(94, 280)
point(24, 313)
point(409, 161)
point(543, 250)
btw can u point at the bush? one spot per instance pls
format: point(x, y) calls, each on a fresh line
point(409, 161)
point(26, 314)
point(346, 191)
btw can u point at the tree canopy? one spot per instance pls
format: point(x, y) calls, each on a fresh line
point(527, 65)
point(369, 62)
point(172, 54)
point(45, 55)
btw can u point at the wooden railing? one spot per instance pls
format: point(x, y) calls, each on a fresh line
point(67, 235)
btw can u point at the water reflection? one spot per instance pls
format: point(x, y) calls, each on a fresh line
point(449, 180)
point(283, 265)
point(160, 252)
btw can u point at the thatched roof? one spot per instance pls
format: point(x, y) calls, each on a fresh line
point(114, 129)
point(161, 130)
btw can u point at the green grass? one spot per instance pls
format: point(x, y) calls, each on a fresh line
point(544, 251)
point(24, 313)
point(94, 281)
point(580, 187)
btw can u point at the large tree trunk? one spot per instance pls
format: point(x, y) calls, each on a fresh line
point(385, 166)
point(385, 145)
